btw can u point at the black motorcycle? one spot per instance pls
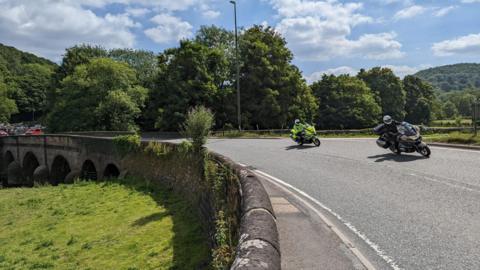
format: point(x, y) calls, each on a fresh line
point(409, 139)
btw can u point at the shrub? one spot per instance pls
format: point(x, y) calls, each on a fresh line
point(197, 126)
point(127, 143)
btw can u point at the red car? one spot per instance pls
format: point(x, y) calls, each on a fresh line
point(34, 131)
point(3, 133)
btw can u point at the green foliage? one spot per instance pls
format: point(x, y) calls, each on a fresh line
point(26, 79)
point(273, 90)
point(157, 149)
point(450, 78)
point(145, 63)
point(345, 102)
point(79, 55)
point(450, 110)
point(123, 224)
point(197, 126)
point(419, 100)
point(388, 90)
point(456, 137)
point(127, 144)
point(190, 75)
point(100, 95)
point(7, 105)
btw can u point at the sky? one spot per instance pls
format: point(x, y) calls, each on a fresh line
point(330, 36)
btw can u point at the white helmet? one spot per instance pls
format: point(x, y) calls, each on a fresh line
point(297, 121)
point(387, 119)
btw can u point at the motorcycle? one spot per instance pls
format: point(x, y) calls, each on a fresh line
point(409, 139)
point(307, 136)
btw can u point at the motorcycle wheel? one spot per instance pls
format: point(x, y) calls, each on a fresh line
point(317, 142)
point(425, 151)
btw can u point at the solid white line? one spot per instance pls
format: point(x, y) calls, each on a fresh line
point(285, 186)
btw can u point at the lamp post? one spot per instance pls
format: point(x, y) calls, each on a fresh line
point(239, 117)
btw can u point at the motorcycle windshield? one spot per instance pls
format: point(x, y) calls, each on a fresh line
point(407, 129)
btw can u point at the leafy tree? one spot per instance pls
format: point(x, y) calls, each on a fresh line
point(345, 102)
point(419, 100)
point(452, 78)
point(190, 75)
point(79, 55)
point(272, 88)
point(144, 62)
point(100, 95)
point(388, 90)
point(450, 110)
point(30, 88)
point(7, 105)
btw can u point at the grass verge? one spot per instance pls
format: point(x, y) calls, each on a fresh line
point(454, 138)
point(90, 225)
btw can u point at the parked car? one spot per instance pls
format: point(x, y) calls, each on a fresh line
point(3, 133)
point(34, 131)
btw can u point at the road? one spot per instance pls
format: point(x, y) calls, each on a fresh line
point(402, 212)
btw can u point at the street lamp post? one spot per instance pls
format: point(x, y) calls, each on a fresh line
point(239, 117)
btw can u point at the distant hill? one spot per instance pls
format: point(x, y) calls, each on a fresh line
point(450, 78)
point(13, 59)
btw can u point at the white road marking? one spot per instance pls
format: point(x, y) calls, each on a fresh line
point(285, 186)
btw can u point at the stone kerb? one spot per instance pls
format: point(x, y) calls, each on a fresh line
point(258, 246)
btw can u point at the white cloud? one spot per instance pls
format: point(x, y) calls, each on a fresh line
point(469, 45)
point(210, 14)
point(168, 5)
point(316, 76)
point(137, 12)
point(169, 29)
point(409, 12)
point(404, 2)
point(402, 71)
point(320, 30)
point(47, 27)
point(444, 11)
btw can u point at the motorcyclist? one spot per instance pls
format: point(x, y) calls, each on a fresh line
point(391, 130)
point(299, 129)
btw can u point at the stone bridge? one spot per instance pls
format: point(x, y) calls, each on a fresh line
point(56, 159)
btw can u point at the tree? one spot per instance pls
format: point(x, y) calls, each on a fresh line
point(419, 99)
point(7, 105)
point(388, 90)
point(100, 95)
point(79, 55)
point(273, 90)
point(30, 88)
point(450, 110)
point(143, 62)
point(189, 76)
point(345, 102)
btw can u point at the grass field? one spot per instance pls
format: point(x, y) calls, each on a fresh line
point(91, 225)
point(455, 138)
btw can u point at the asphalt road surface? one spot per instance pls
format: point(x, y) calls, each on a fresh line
point(402, 212)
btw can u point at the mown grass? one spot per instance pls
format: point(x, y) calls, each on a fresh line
point(463, 122)
point(89, 225)
point(455, 138)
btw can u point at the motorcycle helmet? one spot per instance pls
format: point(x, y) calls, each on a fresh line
point(297, 121)
point(387, 119)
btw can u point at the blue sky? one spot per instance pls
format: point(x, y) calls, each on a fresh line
point(325, 36)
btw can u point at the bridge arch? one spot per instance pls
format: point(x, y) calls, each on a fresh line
point(29, 164)
point(9, 158)
point(111, 171)
point(89, 170)
point(60, 169)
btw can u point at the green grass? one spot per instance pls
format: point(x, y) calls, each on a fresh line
point(455, 138)
point(451, 123)
point(91, 225)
